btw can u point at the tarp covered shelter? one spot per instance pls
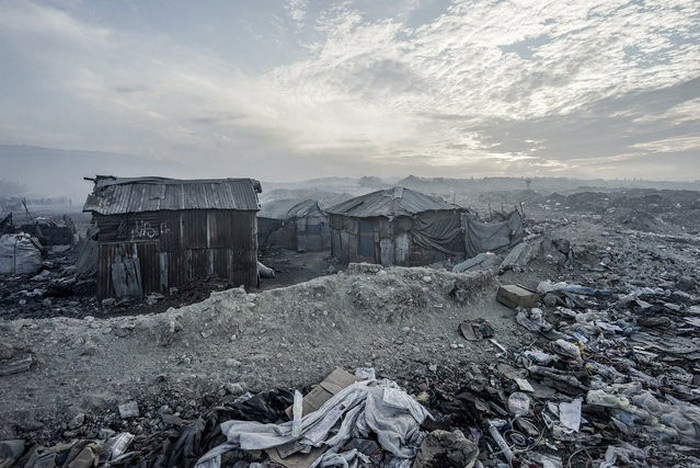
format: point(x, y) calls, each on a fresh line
point(492, 237)
point(156, 233)
point(312, 227)
point(275, 230)
point(396, 226)
point(293, 224)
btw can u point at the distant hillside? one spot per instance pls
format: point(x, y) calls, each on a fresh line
point(542, 185)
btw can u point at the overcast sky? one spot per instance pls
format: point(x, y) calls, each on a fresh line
point(288, 90)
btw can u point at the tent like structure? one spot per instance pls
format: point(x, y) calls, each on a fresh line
point(396, 226)
point(294, 225)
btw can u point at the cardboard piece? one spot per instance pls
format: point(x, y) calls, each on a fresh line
point(298, 460)
point(331, 385)
point(513, 296)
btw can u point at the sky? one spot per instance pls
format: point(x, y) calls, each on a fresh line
point(286, 90)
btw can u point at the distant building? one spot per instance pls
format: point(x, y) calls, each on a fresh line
point(397, 226)
point(312, 227)
point(156, 233)
point(294, 225)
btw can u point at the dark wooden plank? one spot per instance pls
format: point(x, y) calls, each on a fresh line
point(194, 230)
point(126, 278)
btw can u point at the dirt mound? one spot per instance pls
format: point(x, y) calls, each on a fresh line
point(397, 320)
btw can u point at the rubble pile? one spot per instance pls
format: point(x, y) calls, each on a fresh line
point(643, 210)
point(53, 289)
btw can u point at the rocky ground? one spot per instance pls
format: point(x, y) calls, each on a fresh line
point(625, 350)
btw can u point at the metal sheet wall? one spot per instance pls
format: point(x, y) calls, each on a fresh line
point(186, 246)
point(393, 243)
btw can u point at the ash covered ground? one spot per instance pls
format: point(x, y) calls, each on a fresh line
point(625, 347)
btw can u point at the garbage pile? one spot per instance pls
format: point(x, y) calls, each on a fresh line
point(611, 380)
point(36, 283)
point(347, 421)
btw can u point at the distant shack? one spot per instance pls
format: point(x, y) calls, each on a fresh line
point(156, 233)
point(397, 226)
point(294, 225)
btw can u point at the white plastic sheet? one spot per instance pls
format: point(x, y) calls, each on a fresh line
point(20, 254)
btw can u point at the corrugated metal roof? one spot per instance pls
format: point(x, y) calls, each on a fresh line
point(113, 195)
point(393, 202)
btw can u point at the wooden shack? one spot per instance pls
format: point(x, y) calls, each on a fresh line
point(397, 226)
point(156, 233)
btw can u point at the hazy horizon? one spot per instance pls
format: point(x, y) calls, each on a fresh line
point(287, 91)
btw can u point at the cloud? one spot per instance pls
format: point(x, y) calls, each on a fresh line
point(296, 10)
point(482, 88)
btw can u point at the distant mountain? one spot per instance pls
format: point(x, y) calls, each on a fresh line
point(60, 172)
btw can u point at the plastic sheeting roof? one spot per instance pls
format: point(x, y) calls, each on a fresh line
point(393, 202)
point(113, 195)
point(287, 208)
point(305, 208)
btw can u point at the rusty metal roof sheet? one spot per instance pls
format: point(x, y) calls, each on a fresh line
point(113, 195)
point(393, 202)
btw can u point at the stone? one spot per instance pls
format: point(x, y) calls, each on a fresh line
point(6, 351)
point(98, 401)
point(89, 348)
point(232, 362)
point(109, 302)
point(105, 433)
point(427, 279)
point(77, 421)
point(236, 389)
point(129, 410)
point(172, 420)
point(686, 283)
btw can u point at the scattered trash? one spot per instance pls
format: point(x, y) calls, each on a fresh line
point(297, 413)
point(20, 254)
point(446, 449)
point(519, 404)
point(484, 260)
point(129, 410)
point(331, 385)
point(476, 330)
point(265, 272)
point(570, 414)
point(515, 296)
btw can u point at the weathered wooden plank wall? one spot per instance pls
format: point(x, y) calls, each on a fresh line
point(174, 248)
